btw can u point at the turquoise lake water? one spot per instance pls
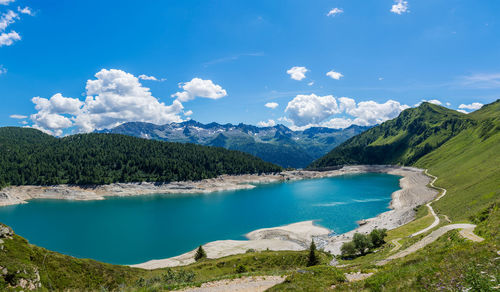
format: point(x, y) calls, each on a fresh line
point(132, 230)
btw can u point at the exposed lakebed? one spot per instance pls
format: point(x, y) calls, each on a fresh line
point(129, 230)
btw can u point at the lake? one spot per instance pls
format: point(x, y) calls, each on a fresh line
point(131, 230)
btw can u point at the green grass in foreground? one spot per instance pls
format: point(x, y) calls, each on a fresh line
point(58, 272)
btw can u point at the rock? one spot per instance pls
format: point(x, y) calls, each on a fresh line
point(5, 231)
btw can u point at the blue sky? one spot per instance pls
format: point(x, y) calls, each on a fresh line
point(232, 58)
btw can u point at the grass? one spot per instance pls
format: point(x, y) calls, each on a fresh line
point(317, 278)
point(58, 272)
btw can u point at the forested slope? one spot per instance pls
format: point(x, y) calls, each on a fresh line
point(30, 157)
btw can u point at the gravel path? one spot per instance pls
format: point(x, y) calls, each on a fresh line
point(244, 284)
point(436, 218)
point(426, 241)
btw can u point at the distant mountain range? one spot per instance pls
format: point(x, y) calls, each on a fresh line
point(278, 144)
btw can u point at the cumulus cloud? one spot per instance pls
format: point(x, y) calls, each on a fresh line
point(335, 11)
point(297, 73)
point(188, 113)
point(3, 70)
point(310, 83)
point(25, 10)
point(271, 105)
point(113, 98)
point(400, 7)
point(7, 19)
point(18, 117)
point(473, 106)
point(334, 75)
point(327, 111)
point(311, 109)
point(6, 2)
point(462, 111)
point(269, 123)
point(7, 39)
point(150, 78)
point(199, 88)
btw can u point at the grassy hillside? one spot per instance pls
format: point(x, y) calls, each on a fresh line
point(28, 156)
point(24, 265)
point(468, 166)
point(403, 140)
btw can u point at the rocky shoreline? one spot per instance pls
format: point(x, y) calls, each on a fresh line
point(297, 236)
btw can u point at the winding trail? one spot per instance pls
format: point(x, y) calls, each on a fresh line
point(436, 218)
point(396, 243)
point(466, 231)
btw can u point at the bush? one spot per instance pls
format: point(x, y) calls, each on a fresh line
point(200, 254)
point(241, 269)
point(361, 243)
point(348, 249)
point(377, 237)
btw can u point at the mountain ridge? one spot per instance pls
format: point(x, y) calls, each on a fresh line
point(277, 144)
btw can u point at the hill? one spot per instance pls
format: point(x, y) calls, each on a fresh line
point(30, 157)
point(461, 149)
point(277, 144)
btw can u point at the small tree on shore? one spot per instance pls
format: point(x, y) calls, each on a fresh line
point(312, 258)
point(361, 242)
point(200, 254)
point(377, 237)
point(348, 249)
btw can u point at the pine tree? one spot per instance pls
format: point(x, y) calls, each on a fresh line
point(200, 254)
point(312, 259)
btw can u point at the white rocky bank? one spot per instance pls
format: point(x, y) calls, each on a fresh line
point(413, 192)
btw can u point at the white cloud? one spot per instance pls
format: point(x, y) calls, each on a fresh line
point(199, 88)
point(448, 104)
point(25, 10)
point(462, 111)
point(482, 80)
point(369, 113)
point(433, 101)
point(297, 73)
point(400, 7)
point(7, 19)
point(269, 123)
point(310, 83)
point(18, 117)
point(6, 2)
point(473, 106)
point(188, 113)
point(311, 109)
point(381, 78)
point(335, 11)
point(3, 70)
point(271, 105)
point(150, 78)
point(113, 98)
point(7, 39)
point(306, 111)
point(334, 75)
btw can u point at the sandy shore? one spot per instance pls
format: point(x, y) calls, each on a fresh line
point(297, 236)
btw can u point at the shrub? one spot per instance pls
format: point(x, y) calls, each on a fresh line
point(348, 249)
point(361, 243)
point(240, 269)
point(377, 237)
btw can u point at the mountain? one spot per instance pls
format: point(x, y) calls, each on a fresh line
point(463, 150)
point(278, 144)
point(403, 140)
point(30, 157)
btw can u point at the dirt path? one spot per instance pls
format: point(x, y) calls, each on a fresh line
point(469, 234)
point(244, 284)
point(436, 218)
point(430, 239)
point(396, 243)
